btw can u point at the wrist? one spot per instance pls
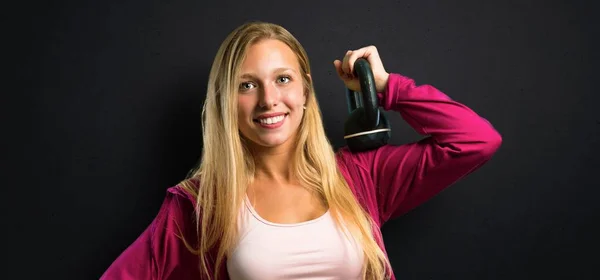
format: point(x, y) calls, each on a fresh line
point(383, 82)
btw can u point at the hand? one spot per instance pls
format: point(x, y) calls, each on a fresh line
point(345, 68)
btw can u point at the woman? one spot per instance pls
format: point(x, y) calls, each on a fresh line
point(271, 199)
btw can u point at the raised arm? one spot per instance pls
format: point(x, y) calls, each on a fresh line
point(459, 142)
point(159, 253)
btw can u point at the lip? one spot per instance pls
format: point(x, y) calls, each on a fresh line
point(273, 125)
point(264, 116)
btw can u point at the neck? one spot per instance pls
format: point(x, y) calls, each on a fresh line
point(273, 163)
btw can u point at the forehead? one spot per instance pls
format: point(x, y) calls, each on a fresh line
point(268, 55)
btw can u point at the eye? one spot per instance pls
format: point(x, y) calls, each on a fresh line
point(284, 79)
point(246, 86)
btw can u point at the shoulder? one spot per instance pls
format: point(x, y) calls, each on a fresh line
point(186, 189)
point(362, 160)
point(180, 200)
point(178, 211)
point(355, 167)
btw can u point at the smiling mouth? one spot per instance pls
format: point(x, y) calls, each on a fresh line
point(271, 120)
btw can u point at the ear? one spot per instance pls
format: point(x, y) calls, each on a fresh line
point(306, 91)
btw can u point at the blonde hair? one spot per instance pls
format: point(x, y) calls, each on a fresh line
point(227, 167)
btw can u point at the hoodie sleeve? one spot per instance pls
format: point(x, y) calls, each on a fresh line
point(458, 142)
point(159, 253)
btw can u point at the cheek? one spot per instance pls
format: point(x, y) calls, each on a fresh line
point(295, 98)
point(244, 106)
point(244, 113)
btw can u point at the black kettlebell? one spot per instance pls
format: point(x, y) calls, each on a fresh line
point(367, 127)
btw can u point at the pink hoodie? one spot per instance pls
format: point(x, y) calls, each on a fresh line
point(388, 181)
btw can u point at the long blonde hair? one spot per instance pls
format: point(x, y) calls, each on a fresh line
point(227, 167)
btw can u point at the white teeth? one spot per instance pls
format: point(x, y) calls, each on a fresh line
point(272, 120)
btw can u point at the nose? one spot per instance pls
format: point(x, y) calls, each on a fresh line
point(269, 96)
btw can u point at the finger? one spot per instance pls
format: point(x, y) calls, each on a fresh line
point(345, 65)
point(347, 74)
point(369, 53)
point(355, 55)
point(352, 59)
point(338, 67)
point(372, 55)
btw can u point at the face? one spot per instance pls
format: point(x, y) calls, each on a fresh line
point(270, 94)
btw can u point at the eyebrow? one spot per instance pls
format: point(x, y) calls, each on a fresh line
point(277, 70)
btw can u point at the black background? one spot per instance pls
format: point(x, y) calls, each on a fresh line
point(102, 114)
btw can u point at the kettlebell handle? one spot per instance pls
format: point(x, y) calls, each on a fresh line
point(367, 97)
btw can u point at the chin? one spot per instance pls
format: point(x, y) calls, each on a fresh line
point(272, 142)
point(270, 139)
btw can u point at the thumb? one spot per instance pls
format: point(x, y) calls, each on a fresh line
point(338, 67)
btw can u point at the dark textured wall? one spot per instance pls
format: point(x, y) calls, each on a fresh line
point(105, 115)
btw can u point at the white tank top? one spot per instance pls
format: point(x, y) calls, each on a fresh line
point(314, 249)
